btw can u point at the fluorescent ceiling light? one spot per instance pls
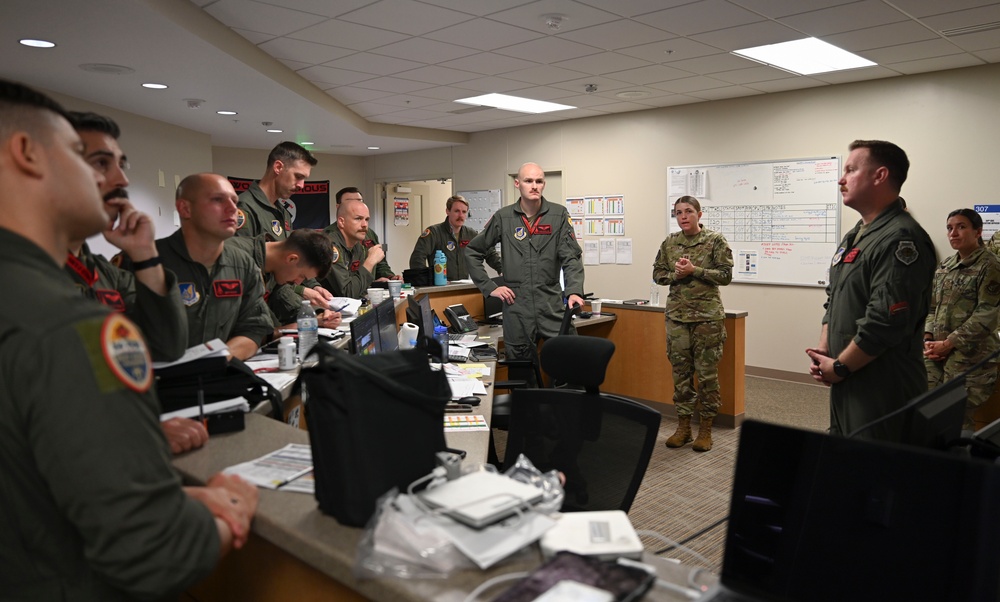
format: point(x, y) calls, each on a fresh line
point(513, 103)
point(153, 86)
point(805, 57)
point(307, 143)
point(37, 43)
point(374, 147)
point(274, 131)
point(227, 112)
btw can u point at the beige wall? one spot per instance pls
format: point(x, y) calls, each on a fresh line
point(946, 121)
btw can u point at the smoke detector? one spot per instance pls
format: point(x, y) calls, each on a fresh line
point(554, 22)
point(194, 103)
point(590, 88)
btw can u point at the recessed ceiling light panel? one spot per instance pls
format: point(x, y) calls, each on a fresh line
point(805, 57)
point(154, 86)
point(514, 103)
point(227, 112)
point(275, 131)
point(37, 43)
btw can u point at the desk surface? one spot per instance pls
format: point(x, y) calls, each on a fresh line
point(295, 526)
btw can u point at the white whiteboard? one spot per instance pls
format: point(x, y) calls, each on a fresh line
point(482, 205)
point(781, 218)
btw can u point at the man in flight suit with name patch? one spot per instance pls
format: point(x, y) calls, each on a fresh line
point(353, 268)
point(870, 351)
point(451, 237)
point(536, 243)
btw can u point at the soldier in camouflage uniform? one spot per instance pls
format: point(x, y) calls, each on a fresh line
point(694, 262)
point(964, 313)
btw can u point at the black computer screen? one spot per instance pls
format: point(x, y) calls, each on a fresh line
point(365, 335)
point(419, 312)
point(385, 313)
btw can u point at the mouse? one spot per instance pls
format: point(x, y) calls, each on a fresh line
point(585, 314)
point(472, 401)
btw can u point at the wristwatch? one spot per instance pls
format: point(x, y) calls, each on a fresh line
point(840, 369)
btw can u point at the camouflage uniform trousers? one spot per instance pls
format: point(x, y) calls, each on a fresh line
point(978, 385)
point(695, 348)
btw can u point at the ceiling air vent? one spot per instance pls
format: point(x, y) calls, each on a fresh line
point(957, 31)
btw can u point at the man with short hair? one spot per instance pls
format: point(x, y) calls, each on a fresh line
point(92, 508)
point(451, 237)
point(260, 208)
point(382, 271)
point(871, 344)
point(304, 254)
point(353, 268)
point(149, 296)
point(536, 243)
point(221, 287)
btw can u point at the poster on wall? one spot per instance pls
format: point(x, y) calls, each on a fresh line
point(401, 211)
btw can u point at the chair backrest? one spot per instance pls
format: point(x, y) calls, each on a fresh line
point(579, 361)
point(601, 442)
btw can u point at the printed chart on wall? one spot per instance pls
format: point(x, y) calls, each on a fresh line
point(781, 218)
point(482, 205)
point(600, 216)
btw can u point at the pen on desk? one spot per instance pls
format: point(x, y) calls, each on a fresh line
point(339, 309)
point(294, 476)
point(201, 404)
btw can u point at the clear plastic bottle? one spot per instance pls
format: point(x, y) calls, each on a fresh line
point(654, 294)
point(308, 330)
point(441, 336)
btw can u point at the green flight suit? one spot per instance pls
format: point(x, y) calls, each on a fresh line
point(965, 309)
point(223, 303)
point(282, 301)
point(256, 215)
point(162, 320)
point(348, 275)
point(91, 510)
point(439, 237)
point(532, 256)
point(382, 269)
point(695, 316)
point(878, 296)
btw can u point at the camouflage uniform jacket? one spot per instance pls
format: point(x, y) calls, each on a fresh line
point(256, 215)
point(348, 275)
point(695, 298)
point(965, 304)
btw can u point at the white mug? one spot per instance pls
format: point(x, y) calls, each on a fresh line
point(595, 306)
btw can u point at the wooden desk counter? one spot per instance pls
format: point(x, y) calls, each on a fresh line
point(297, 553)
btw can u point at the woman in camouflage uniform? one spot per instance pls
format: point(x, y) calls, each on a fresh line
point(694, 262)
point(964, 313)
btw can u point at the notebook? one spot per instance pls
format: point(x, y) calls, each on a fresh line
point(818, 517)
point(481, 498)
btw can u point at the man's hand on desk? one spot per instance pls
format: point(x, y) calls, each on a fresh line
point(317, 296)
point(329, 319)
point(231, 500)
point(184, 434)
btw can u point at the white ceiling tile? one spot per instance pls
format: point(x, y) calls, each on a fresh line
point(446, 93)
point(633, 8)
point(573, 114)
point(405, 16)
point(924, 8)
point(531, 16)
point(983, 40)
point(727, 92)
point(305, 52)
point(350, 95)
point(966, 18)
point(330, 75)
point(603, 84)
point(676, 49)
point(366, 62)
point(785, 85)
point(617, 34)
point(394, 85)
point(408, 101)
point(488, 63)
point(649, 75)
point(484, 34)
point(699, 17)
point(433, 74)
point(542, 93)
point(587, 101)
point(429, 51)
point(881, 37)
point(670, 101)
point(604, 62)
point(938, 63)
point(760, 73)
point(649, 93)
point(991, 55)
point(622, 107)
point(347, 35)
point(855, 75)
point(265, 18)
point(320, 7)
point(690, 84)
point(478, 7)
point(410, 115)
point(548, 50)
point(715, 63)
point(747, 36)
point(838, 19)
point(370, 109)
point(782, 8)
point(295, 65)
point(912, 52)
point(491, 84)
point(542, 75)
point(254, 36)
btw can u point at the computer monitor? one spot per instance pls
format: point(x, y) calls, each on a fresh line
point(418, 312)
point(932, 419)
point(385, 313)
point(365, 334)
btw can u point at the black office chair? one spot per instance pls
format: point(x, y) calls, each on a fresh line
point(601, 442)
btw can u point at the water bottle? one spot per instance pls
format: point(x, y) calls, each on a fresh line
point(654, 294)
point(308, 329)
point(441, 336)
point(440, 268)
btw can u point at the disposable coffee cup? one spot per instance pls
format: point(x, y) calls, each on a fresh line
point(395, 288)
point(374, 295)
point(595, 306)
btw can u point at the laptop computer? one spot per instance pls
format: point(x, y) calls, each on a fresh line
point(388, 330)
point(818, 517)
point(365, 335)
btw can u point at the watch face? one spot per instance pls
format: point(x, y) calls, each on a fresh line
point(841, 370)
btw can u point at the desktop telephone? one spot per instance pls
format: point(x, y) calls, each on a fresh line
point(460, 319)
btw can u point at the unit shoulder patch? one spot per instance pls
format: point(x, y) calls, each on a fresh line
point(125, 353)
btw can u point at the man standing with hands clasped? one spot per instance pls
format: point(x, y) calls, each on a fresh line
point(870, 346)
point(536, 243)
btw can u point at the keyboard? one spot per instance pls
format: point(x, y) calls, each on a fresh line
point(458, 354)
point(465, 337)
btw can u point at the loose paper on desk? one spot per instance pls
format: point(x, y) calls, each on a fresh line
point(218, 407)
point(470, 370)
point(209, 349)
point(465, 422)
point(277, 469)
point(464, 387)
point(345, 305)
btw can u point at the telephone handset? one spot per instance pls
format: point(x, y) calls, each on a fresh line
point(459, 319)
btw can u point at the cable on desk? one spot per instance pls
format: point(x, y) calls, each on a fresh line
point(674, 544)
point(485, 585)
point(693, 537)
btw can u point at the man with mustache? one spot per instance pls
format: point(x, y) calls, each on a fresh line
point(148, 296)
point(353, 269)
point(382, 272)
point(451, 237)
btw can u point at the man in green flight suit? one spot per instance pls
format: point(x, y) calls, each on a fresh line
point(870, 350)
point(93, 510)
point(536, 243)
point(451, 237)
point(382, 271)
point(353, 267)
